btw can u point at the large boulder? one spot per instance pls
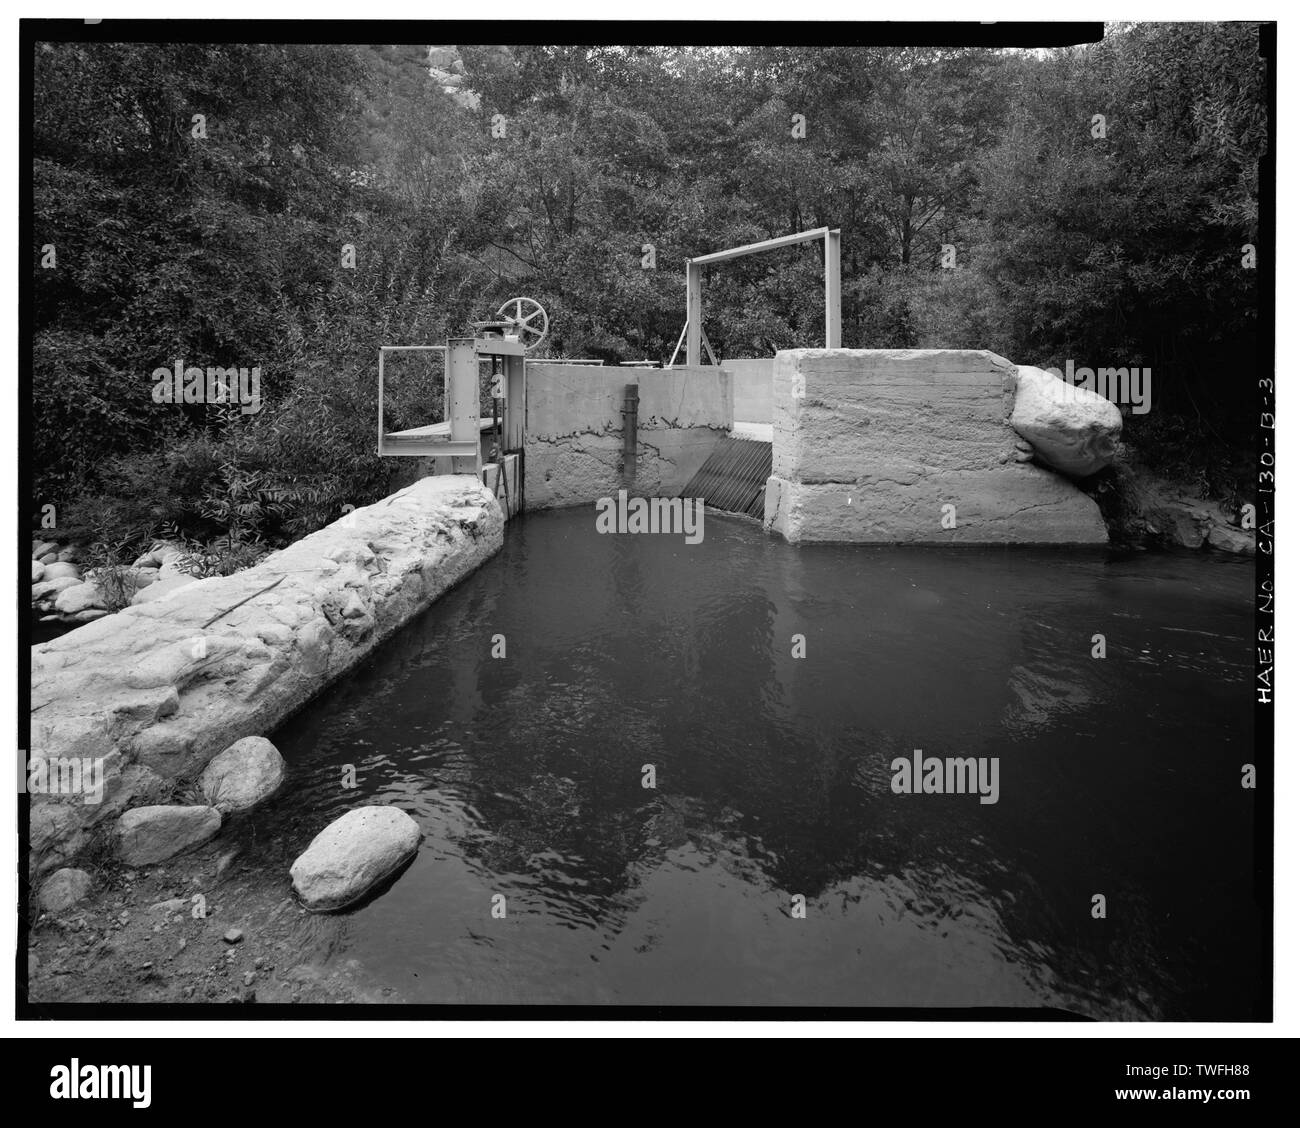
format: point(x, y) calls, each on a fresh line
point(243, 775)
point(81, 597)
point(1228, 538)
point(58, 570)
point(352, 855)
point(148, 835)
point(63, 889)
point(48, 589)
point(38, 571)
point(1072, 429)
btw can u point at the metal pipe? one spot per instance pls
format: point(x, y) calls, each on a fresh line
point(631, 400)
point(765, 245)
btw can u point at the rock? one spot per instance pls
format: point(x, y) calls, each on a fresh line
point(352, 855)
point(50, 588)
point(163, 588)
point(232, 936)
point(82, 597)
point(165, 551)
point(38, 571)
point(1180, 523)
point(148, 835)
point(354, 608)
point(1072, 429)
point(1227, 538)
point(243, 775)
point(268, 649)
point(87, 616)
point(144, 576)
point(72, 552)
point(63, 889)
point(40, 548)
point(48, 558)
point(57, 570)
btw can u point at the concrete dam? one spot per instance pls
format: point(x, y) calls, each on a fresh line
point(862, 446)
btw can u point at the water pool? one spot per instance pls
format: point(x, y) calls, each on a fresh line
point(1118, 776)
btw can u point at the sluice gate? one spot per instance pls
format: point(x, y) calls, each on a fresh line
point(734, 476)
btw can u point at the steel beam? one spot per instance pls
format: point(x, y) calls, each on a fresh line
point(694, 332)
point(765, 245)
point(693, 313)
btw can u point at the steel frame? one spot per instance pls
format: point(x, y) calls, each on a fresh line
point(694, 331)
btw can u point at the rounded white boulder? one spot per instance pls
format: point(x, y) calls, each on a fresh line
point(58, 570)
point(82, 597)
point(243, 775)
point(1072, 429)
point(352, 855)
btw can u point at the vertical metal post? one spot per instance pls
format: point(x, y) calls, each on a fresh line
point(692, 314)
point(380, 448)
point(514, 403)
point(631, 401)
point(461, 400)
point(833, 289)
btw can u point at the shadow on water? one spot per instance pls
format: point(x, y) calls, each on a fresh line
point(772, 772)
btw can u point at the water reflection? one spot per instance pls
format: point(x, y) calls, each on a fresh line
point(773, 778)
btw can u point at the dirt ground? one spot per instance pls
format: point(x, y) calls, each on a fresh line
point(203, 928)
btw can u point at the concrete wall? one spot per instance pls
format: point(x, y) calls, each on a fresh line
point(752, 381)
point(869, 445)
point(159, 689)
point(573, 435)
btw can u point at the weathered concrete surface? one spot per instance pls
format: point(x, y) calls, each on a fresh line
point(160, 688)
point(573, 436)
point(752, 384)
point(869, 446)
point(1072, 429)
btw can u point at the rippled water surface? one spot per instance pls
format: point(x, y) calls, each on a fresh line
point(1117, 776)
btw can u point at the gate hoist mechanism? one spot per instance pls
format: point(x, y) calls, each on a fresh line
point(517, 317)
point(520, 325)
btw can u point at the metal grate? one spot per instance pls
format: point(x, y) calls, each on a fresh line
point(734, 477)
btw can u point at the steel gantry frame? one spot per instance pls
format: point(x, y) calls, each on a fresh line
point(693, 330)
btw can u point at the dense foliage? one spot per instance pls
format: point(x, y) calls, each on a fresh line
point(225, 247)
